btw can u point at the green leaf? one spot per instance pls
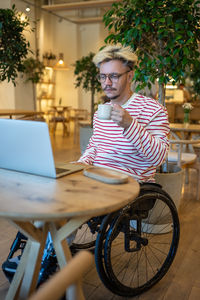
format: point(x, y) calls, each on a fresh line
point(165, 34)
point(162, 20)
point(13, 45)
point(190, 33)
point(186, 50)
point(178, 37)
point(137, 21)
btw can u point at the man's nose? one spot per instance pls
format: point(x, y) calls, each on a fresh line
point(108, 81)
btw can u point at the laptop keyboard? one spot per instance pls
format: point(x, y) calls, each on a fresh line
point(60, 170)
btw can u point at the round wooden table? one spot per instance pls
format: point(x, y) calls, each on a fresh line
point(37, 205)
point(185, 130)
point(24, 114)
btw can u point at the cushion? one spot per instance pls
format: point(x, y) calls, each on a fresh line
point(185, 157)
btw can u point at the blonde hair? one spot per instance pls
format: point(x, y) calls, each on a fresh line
point(116, 52)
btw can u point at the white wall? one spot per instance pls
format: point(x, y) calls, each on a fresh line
point(24, 98)
point(57, 36)
point(5, 4)
point(74, 41)
point(65, 42)
point(24, 90)
point(7, 95)
point(90, 38)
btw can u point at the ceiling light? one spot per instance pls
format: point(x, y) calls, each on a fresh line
point(60, 65)
point(28, 8)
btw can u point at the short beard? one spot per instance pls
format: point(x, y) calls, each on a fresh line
point(114, 97)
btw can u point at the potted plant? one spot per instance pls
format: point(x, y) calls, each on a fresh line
point(33, 69)
point(13, 45)
point(86, 72)
point(48, 58)
point(164, 36)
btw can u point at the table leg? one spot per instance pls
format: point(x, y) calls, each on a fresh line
point(32, 269)
point(26, 276)
point(16, 282)
point(63, 253)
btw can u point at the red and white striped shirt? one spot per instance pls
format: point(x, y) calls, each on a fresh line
point(137, 150)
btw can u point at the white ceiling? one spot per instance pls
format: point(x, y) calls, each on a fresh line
point(58, 5)
point(78, 11)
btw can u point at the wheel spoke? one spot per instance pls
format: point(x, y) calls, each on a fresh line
point(130, 270)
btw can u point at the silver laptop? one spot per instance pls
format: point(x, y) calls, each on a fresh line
point(25, 146)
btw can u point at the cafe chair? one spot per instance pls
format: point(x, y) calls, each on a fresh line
point(59, 115)
point(197, 150)
point(55, 287)
point(178, 154)
point(36, 117)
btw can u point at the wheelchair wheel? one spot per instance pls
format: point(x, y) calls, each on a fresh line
point(86, 235)
point(136, 246)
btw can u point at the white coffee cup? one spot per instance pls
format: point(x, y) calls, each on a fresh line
point(104, 111)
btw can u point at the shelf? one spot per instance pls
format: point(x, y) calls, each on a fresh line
point(46, 89)
point(46, 98)
point(46, 82)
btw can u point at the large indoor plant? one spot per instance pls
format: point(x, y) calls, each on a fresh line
point(86, 77)
point(163, 34)
point(13, 45)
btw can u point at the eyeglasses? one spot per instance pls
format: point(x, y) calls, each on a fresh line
point(114, 77)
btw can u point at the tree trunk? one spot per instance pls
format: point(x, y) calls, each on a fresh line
point(161, 99)
point(161, 94)
point(34, 97)
point(92, 107)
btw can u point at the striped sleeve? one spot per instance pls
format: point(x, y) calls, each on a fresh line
point(152, 140)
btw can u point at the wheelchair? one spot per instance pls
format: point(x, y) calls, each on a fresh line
point(135, 246)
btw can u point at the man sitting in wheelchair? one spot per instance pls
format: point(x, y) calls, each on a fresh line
point(133, 141)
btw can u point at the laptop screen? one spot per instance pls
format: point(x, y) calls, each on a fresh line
point(25, 146)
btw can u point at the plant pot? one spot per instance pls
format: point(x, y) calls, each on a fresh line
point(172, 182)
point(85, 135)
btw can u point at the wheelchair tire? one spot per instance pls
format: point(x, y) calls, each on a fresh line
point(131, 260)
point(86, 235)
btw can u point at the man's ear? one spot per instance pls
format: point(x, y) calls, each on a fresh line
point(130, 76)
